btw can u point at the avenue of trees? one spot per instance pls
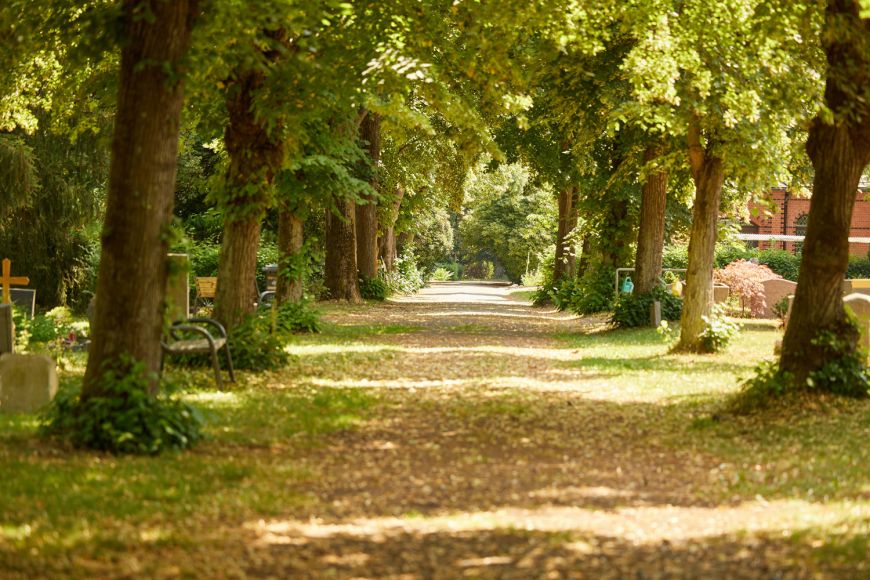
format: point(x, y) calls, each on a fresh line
point(347, 131)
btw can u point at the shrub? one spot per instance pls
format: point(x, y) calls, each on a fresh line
point(744, 279)
point(781, 262)
point(441, 274)
point(479, 270)
point(632, 310)
point(125, 418)
point(594, 291)
point(406, 277)
point(846, 372)
point(294, 317)
point(255, 347)
point(859, 267)
point(374, 288)
point(718, 330)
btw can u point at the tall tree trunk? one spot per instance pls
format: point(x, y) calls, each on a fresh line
point(564, 265)
point(839, 152)
point(340, 275)
point(131, 284)
point(367, 213)
point(613, 251)
point(255, 156)
point(708, 175)
point(651, 233)
point(585, 251)
point(387, 242)
point(290, 240)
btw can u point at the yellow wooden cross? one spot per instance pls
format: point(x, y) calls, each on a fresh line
point(7, 280)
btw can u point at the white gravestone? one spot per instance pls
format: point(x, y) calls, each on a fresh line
point(859, 303)
point(28, 382)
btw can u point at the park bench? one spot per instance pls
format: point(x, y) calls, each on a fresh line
point(192, 336)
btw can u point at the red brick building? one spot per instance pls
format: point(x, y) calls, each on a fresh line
point(790, 218)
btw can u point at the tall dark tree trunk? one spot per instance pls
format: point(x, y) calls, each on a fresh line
point(613, 250)
point(651, 232)
point(131, 284)
point(290, 240)
point(839, 152)
point(340, 272)
point(564, 265)
point(387, 242)
point(708, 175)
point(255, 155)
point(367, 213)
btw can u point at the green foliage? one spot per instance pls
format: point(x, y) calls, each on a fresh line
point(718, 330)
point(255, 347)
point(124, 418)
point(479, 270)
point(441, 274)
point(592, 293)
point(845, 373)
point(633, 310)
point(766, 384)
point(406, 277)
point(859, 267)
point(781, 307)
point(781, 262)
point(374, 288)
point(293, 317)
point(508, 219)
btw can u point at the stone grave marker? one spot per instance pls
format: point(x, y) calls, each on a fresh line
point(655, 313)
point(860, 304)
point(856, 286)
point(775, 290)
point(720, 293)
point(7, 329)
point(178, 287)
point(28, 382)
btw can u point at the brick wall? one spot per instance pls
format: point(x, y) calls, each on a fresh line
point(790, 213)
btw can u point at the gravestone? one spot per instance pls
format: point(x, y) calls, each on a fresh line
point(655, 313)
point(856, 286)
point(28, 382)
point(7, 329)
point(24, 298)
point(720, 293)
point(178, 287)
point(775, 290)
point(860, 304)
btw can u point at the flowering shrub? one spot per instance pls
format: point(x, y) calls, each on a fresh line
point(744, 279)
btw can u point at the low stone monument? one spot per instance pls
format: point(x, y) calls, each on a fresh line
point(28, 382)
point(720, 293)
point(775, 290)
point(856, 286)
point(859, 303)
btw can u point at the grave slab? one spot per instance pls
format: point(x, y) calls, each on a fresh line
point(775, 290)
point(859, 303)
point(28, 382)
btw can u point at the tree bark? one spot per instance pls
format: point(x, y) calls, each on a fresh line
point(290, 240)
point(131, 283)
point(256, 155)
point(708, 175)
point(340, 275)
point(651, 232)
point(367, 213)
point(839, 152)
point(565, 263)
point(387, 243)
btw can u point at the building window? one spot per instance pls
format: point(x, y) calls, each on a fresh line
point(800, 229)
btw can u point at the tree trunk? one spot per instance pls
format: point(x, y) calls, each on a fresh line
point(340, 275)
point(367, 213)
point(583, 262)
point(651, 232)
point(131, 284)
point(839, 153)
point(708, 174)
point(387, 242)
point(255, 157)
point(290, 240)
point(564, 265)
point(613, 249)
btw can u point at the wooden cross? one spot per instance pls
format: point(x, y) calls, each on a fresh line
point(7, 280)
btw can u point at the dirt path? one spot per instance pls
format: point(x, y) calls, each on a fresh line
point(490, 455)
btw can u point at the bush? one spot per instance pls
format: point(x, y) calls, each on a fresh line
point(255, 347)
point(594, 291)
point(781, 262)
point(633, 310)
point(294, 317)
point(859, 267)
point(479, 270)
point(718, 330)
point(125, 418)
point(406, 277)
point(745, 281)
point(374, 288)
point(441, 274)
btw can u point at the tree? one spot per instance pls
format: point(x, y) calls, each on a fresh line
point(128, 319)
point(839, 147)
